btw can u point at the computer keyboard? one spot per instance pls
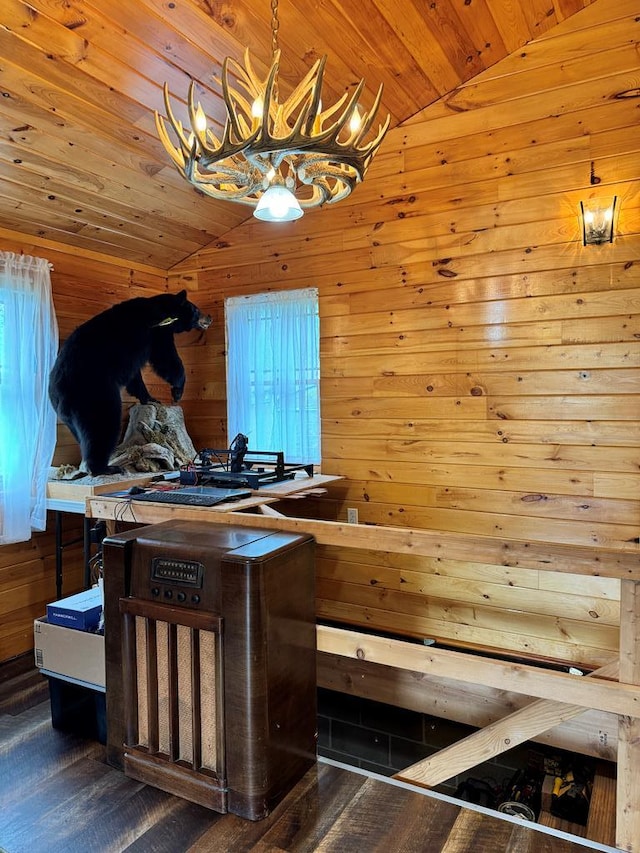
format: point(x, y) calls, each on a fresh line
point(176, 496)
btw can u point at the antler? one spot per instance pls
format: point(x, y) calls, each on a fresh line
point(325, 157)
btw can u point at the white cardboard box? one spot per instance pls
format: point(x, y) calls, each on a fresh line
point(68, 652)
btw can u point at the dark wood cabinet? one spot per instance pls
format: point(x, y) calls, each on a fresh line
point(210, 657)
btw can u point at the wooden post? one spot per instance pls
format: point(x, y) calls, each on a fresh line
point(628, 790)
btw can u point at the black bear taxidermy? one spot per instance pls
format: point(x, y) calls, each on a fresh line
point(106, 354)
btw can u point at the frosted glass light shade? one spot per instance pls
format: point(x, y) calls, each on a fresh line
point(278, 204)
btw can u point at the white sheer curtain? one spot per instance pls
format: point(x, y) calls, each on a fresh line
point(273, 372)
point(28, 347)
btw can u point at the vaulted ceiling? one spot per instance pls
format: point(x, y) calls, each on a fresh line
point(80, 160)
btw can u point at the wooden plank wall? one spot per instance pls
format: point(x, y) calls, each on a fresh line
point(83, 284)
point(479, 365)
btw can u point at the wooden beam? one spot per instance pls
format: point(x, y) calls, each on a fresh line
point(265, 509)
point(546, 556)
point(498, 737)
point(628, 791)
point(593, 733)
point(598, 694)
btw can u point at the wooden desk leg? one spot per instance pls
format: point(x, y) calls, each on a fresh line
point(628, 789)
point(59, 547)
point(87, 552)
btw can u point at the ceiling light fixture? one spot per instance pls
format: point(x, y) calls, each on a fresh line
point(294, 152)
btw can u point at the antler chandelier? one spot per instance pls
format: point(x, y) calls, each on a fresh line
point(280, 158)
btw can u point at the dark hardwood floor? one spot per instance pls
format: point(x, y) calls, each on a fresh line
point(58, 795)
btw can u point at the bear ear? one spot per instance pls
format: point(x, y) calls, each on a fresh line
point(182, 296)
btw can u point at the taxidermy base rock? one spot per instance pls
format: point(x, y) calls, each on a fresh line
point(156, 440)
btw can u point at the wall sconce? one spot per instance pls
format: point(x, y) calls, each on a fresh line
point(597, 220)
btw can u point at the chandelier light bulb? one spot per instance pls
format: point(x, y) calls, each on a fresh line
point(355, 122)
point(201, 120)
point(257, 108)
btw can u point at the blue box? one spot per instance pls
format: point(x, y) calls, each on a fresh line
point(81, 611)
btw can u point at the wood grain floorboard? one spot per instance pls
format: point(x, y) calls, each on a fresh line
point(299, 823)
point(58, 795)
point(399, 813)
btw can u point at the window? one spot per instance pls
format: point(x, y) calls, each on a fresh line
point(273, 372)
point(28, 347)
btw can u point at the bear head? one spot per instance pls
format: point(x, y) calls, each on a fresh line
point(182, 315)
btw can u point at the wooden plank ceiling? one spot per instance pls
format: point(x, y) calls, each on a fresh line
point(80, 161)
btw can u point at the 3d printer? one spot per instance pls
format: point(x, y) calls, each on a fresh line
point(237, 466)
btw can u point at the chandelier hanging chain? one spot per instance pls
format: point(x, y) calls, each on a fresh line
point(275, 26)
point(319, 154)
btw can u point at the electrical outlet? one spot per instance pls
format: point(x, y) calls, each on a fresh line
point(352, 516)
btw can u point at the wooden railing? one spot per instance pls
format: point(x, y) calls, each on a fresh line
point(557, 696)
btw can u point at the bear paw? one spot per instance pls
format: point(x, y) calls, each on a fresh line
point(108, 469)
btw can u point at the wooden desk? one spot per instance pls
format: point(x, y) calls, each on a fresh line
point(78, 496)
point(71, 496)
point(299, 487)
point(146, 512)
